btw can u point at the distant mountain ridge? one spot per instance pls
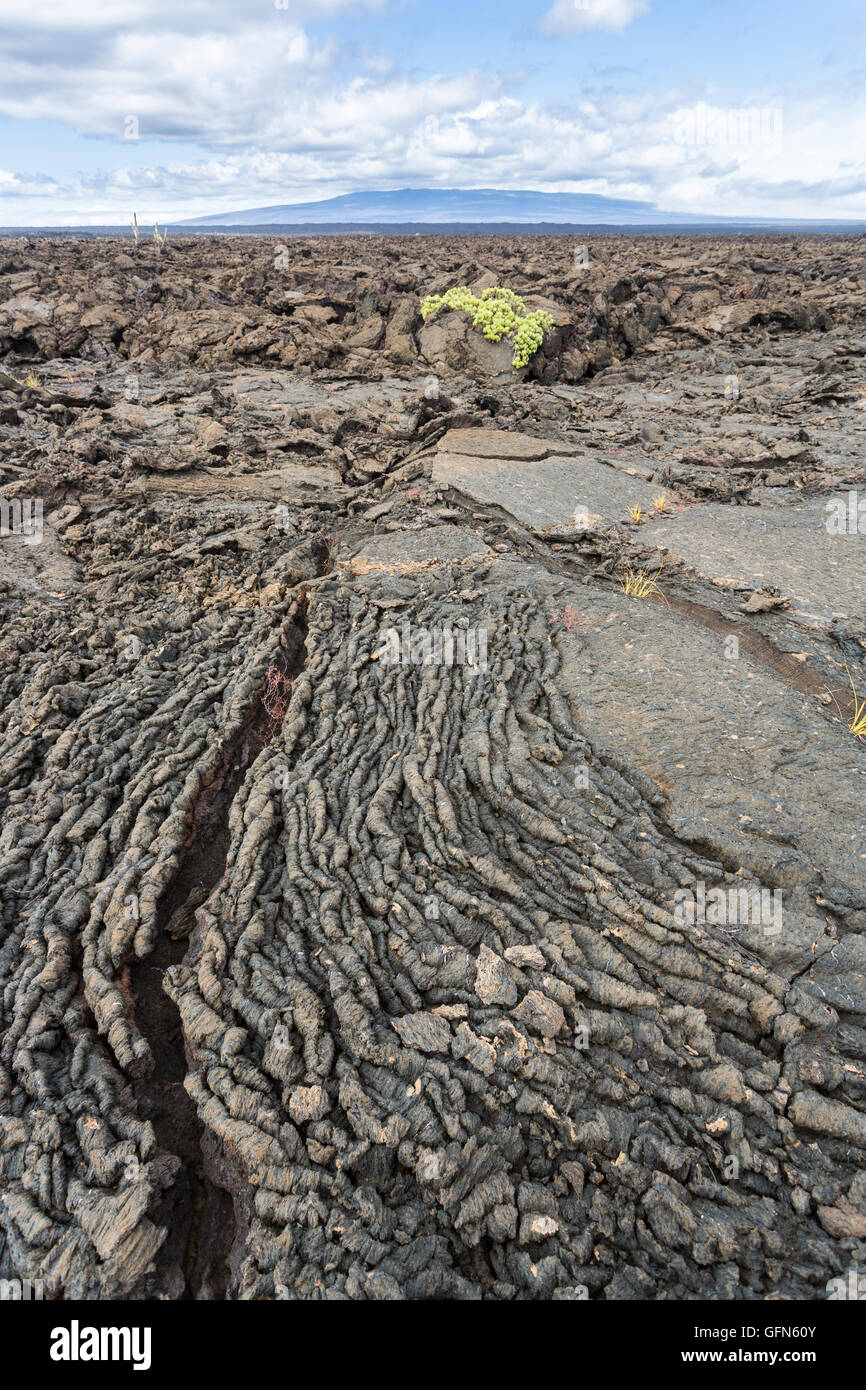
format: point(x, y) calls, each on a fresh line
point(463, 209)
point(449, 205)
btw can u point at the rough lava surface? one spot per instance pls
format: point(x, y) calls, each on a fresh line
point(351, 803)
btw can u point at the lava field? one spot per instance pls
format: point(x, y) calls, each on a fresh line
point(433, 852)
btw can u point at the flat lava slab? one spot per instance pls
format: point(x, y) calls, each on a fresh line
point(540, 482)
point(786, 545)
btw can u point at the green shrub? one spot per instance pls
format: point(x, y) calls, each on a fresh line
point(499, 313)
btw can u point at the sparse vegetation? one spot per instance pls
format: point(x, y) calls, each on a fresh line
point(331, 544)
point(640, 583)
point(858, 723)
point(275, 696)
point(568, 615)
point(499, 313)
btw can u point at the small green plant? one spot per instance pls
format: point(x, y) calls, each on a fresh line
point(499, 313)
point(158, 236)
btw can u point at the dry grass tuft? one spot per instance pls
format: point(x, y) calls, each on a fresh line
point(640, 583)
point(858, 723)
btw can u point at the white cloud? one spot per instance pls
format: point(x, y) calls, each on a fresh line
point(450, 132)
point(105, 16)
point(574, 16)
point(211, 86)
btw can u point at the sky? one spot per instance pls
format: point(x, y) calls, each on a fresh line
point(179, 108)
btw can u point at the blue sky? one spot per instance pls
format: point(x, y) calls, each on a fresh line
point(176, 108)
